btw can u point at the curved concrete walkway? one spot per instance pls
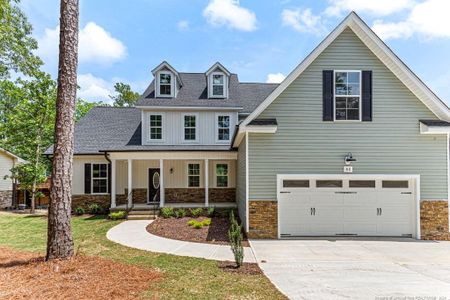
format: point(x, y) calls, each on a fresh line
point(134, 234)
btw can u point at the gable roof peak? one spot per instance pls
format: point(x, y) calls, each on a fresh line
point(162, 65)
point(215, 66)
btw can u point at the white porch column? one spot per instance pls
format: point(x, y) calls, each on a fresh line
point(161, 183)
point(206, 182)
point(130, 183)
point(113, 183)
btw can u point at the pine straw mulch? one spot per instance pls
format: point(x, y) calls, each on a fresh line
point(26, 275)
point(178, 229)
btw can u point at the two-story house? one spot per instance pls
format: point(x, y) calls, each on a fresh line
point(352, 142)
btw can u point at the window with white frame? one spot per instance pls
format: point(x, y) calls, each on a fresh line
point(156, 127)
point(347, 95)
point(193, 175)
point(165, 84)
point(99, 178)
point(223, 128)
point(218, 85)
point(190, 127)
point(222, 175)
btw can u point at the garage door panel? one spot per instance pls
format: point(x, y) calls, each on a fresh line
point(360, 228)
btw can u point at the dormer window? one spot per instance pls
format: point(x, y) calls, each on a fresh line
point(165, 84)
point(218, 85)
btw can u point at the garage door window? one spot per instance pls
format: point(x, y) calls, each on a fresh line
point(296, 183)
point(395, 184)
point(329, 183)
point(361, 183)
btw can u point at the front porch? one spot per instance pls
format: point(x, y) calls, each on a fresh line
point(144, 180)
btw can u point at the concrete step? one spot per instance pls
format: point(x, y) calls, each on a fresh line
point(141, 217)
point(143, 212)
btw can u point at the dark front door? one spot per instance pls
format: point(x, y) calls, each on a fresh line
point(153, 185)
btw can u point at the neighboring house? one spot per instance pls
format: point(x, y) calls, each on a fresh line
point(350, 143)
point(7, 186)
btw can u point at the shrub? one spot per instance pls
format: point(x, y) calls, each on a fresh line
point(206, 222)
point(79, 211)
point(180, 213)
point(192, 222)
point(95, 209)
point(235, 236)
point(167, 212)
point(198, 225)
point(210, 212)
point(117, 215)
point(196, 212)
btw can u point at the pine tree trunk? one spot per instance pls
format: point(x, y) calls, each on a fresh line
point(60, 241)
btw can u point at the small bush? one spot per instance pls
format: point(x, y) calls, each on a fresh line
point(117, 215)
point(198, 225)
point(196, 212)
point(79, 211)
point(192, 222)
point(206, 222)
point(235, 236)
point(180, 213)
point(210, 212)
point(167, 212)
point(95, 209)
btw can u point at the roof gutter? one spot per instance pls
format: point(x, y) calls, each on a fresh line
point(214, 108)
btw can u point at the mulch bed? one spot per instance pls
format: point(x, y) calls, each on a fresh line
point(27, 276)
point(246, 268)
point(178, 229)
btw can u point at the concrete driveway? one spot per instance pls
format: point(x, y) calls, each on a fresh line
point(357, 269)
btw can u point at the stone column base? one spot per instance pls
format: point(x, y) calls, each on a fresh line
point(434, 220)
point(6, 198)
point(263, 219)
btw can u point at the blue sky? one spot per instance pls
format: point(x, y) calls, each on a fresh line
point(260, 40)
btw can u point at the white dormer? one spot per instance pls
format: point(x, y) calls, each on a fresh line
point(218, 78)
point(167, 81)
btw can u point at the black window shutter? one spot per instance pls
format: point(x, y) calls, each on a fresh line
point(366, 92)
point(87, 178)
point(109, 178)
point(327, 90)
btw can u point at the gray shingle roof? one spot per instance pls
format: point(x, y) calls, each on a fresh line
point(264, 122)
point(194, 93)
point(435, 122)
point(118, 129)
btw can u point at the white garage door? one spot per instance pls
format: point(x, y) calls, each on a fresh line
point(346, 205)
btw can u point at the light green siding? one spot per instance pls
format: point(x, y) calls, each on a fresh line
point(390, 144)
point(241, 182)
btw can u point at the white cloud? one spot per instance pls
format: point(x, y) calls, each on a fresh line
point(303, 20)
point(374, 7)
point(231, 14)
point(95, 45)
point(428, 19)
point(275, 78)
point(94, 88)
point(183, 25)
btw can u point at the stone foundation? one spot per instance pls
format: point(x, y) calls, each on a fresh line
point(184, 195)
point(263, 220)
point(139, 195)
point(434, 220)
point(220, 195)
point(6, 198)
point(85, 200)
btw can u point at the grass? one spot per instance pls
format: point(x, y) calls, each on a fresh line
point(182, 277)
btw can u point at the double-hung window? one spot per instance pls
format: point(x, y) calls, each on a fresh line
point(347, 95)
point(99, 178)
point(165, 84)
point(222, 175)
point(156, 127)
point(193, 175)
point(190, 127)
point(223, 128)
point(218, 85)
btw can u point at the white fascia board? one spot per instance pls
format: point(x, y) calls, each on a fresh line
point(379, 48)
point(189, 108)
point(252, 129)
point(215, 66)
point(162, 65)
point(425, 129)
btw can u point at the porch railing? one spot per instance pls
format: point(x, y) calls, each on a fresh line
point(127, 207)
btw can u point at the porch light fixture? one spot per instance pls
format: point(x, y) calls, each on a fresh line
point(349, 158)
point(171, 170)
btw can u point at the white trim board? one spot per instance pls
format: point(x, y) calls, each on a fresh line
point(381, 50)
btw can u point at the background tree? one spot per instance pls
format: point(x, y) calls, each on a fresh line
point(60, 240)
point(16, 43)
point(83, 107)
point(125, 97)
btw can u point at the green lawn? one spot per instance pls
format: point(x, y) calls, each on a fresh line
point(182, 277)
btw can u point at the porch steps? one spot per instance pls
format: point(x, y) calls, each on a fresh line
point(142, 215)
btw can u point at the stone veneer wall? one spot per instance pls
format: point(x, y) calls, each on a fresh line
point(434, 220)
point(6, 198)
point(139, 195)
point(184, 195)
point(85, 200)
point(263, 219)
point(220, 195)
